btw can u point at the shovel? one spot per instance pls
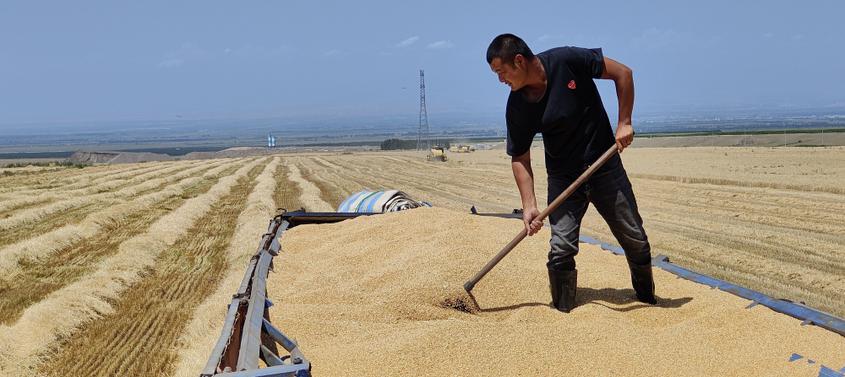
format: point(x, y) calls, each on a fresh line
point(553, 206)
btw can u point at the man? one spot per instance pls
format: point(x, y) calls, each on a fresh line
point(553, 93)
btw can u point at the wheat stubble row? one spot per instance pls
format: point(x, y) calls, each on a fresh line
point(38, 244)
point(26, 342)
point(138, 337)
point(34, 278)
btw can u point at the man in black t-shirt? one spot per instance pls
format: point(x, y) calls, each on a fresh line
point(553, 93)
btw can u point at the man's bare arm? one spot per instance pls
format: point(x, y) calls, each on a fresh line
point(623, 77)
point(524, 176)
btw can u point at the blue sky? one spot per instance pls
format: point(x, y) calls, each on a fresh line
point(63, 61)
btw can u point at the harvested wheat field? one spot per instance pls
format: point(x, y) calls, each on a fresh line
point(124, 264)
point(127, 269)
point(364, 297)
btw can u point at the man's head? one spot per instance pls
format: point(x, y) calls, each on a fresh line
point(509, 58)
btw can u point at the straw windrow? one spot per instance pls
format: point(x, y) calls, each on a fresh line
point(33, 279)
point(43, 244)
point(57, 316)
point(204, 328)
point(150, 315)
point(310, 198)
point(127, 188)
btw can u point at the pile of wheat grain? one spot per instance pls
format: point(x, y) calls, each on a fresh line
point(366, 296)
point(768, 219)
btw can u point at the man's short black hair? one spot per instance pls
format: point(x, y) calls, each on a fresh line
point(506, 47)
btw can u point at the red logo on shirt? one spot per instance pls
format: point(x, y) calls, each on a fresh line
point(571, 84)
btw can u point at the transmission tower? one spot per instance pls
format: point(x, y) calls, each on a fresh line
point(423, 142)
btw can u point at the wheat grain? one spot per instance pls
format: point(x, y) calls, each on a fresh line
point(373, 293)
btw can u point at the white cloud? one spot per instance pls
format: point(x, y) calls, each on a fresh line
point(170, 63)
point(331, 52)
point(768, 35)
point(188, 51)
point(654, 38)
point(192, 49)
point(441, 44)
point(797, 37)
point(409, 41)
point(252, 51)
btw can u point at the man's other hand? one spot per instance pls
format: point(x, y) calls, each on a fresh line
point(624, 136)
point(529, 218)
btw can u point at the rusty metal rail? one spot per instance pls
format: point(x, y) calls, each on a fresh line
point(248, 336)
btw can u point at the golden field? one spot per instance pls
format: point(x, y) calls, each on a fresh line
point(126, 269)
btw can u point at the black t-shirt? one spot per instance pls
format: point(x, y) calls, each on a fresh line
point(570, 116)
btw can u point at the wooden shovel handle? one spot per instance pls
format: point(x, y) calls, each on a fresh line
point(545, 213)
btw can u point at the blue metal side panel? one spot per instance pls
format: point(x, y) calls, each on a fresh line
point(807, 314)
point(827, 372)
point(606, 246)
point(824, 371)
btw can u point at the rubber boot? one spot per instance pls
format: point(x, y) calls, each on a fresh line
point(643, 281)
point(563, 284)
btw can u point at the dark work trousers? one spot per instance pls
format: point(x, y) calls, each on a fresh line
point(610, 192)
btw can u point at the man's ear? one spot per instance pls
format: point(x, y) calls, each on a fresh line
point(519, 61)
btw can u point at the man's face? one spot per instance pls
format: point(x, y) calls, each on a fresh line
point(513, 75)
